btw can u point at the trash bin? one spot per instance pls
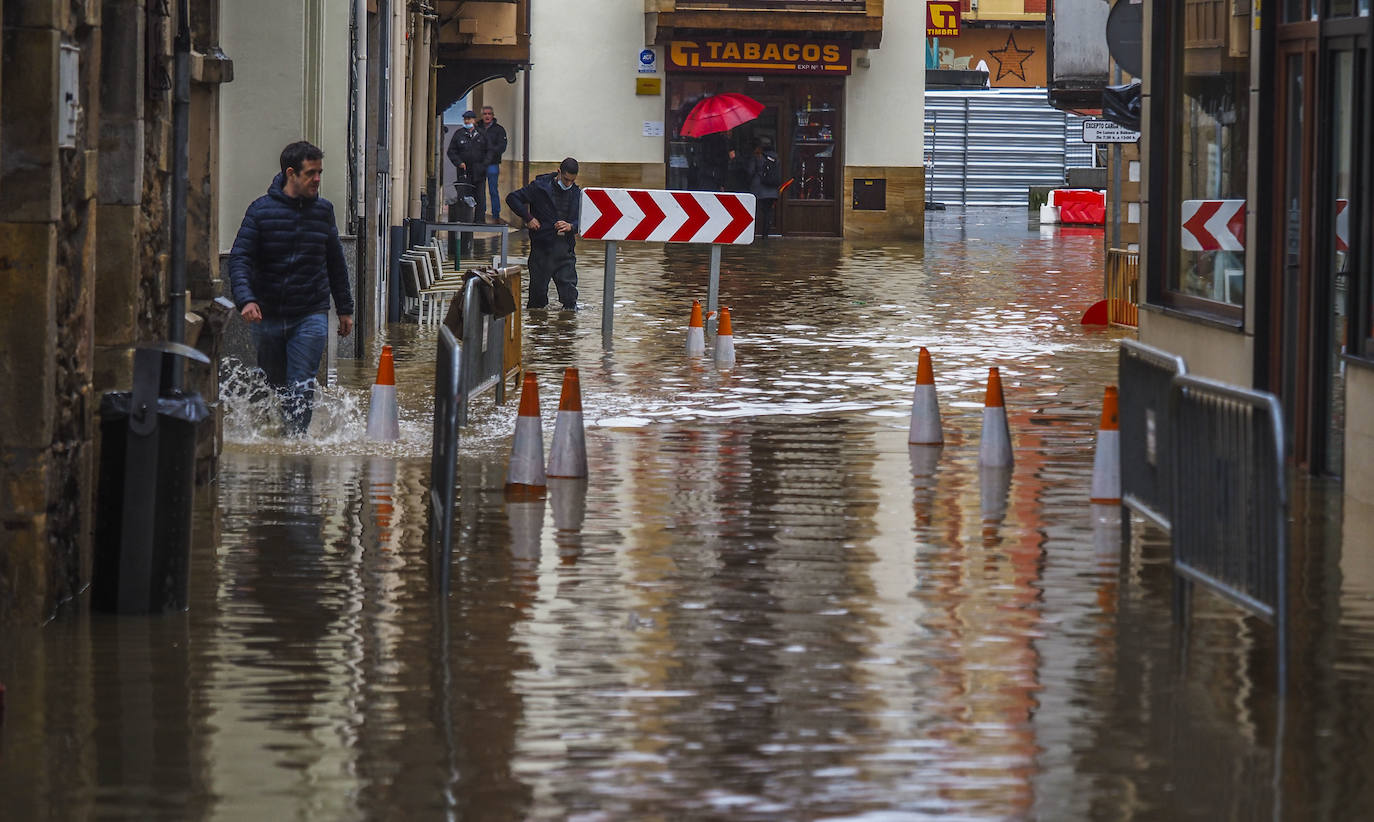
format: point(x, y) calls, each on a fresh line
point(463, 210)
point(146, 487)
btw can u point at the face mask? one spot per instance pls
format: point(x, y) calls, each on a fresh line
point(563, 185)
point(469, 125)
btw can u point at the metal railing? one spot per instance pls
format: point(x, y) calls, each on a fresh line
point(1230, 493)
point(481, 352)
point(443, 466)
point(1145, 374)
point(1122, 287)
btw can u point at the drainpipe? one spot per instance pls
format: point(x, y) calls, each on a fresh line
point(181, 110)
point(360, 301)
point(383, 169)
point(419, 111)
point(525, 115)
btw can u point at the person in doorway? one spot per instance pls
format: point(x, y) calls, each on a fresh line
point(764, 174)
point(495, 135)
point(286, 263)
point(468, 153)
point(550, 206)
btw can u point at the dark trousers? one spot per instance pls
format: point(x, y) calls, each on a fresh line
point(552, 261)
point(289, 352)
point(479, 184)
point(763, 216)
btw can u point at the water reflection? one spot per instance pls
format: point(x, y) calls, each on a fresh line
point(762, 604)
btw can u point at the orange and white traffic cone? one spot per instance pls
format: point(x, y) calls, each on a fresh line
point(925, 409)
point(1107, 461)
point(568, 454)
point(525, 477)
point(383, 419)
point(725, 340)
point(696, 332)
point(995, 447)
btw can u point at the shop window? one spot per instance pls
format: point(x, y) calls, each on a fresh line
point(1210, 130)
point(813, 146)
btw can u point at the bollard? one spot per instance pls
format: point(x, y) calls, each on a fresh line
point(146, 487)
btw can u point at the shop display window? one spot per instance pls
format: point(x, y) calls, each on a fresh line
point(813, 147)
point(1211, 126)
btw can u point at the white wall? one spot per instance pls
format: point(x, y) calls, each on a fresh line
point(885, 103)
point(263, 109)
point(583, 101)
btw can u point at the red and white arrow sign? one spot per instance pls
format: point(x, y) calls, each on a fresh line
point(1342, 225)
point(658, 216)
point(1213, 225)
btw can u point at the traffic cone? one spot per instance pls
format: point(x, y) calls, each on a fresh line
point(1107, 462)
point(383, 420)
point(995, 448)
point(568, 454)
point(696, 332)
point(525, 478)
point(725, 340)
point(925, 410)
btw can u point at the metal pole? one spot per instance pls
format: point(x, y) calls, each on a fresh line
point(713, 290)
point(1116, 177)
point(181, 132)
point(608, 297)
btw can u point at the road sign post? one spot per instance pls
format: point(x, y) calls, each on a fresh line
point(661, 216)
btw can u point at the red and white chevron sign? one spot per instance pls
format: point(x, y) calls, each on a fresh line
point(1213, 225)
point(657, 216)
point(1342, 224)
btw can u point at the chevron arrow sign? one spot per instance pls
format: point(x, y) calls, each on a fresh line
point(658, 216)
point(1213, 225)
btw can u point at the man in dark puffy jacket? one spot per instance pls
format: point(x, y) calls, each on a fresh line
point(495, 135)
point(550, 206)
point(468, 153)
point(286, 263)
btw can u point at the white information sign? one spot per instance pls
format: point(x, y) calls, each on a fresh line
point(1105, 131)
point(653, 128)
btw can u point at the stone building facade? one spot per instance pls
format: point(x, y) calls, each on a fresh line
point(86, 158)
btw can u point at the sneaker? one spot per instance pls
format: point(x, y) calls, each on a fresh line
point(570, 308)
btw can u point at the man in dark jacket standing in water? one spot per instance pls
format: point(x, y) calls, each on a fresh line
point(286, 263)
point(550, 206)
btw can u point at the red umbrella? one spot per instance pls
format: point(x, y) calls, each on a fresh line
point(720, 112)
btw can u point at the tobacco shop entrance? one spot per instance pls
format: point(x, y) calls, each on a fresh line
point(801, 88)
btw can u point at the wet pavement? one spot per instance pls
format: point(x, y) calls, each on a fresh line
point(762, 604)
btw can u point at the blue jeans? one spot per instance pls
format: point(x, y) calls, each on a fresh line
point(493, 171)
point(289, 352)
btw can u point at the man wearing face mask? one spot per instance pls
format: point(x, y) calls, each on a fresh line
point(550, 206)
point(468, 153)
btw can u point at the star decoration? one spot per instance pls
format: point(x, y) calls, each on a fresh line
point(1010, 59)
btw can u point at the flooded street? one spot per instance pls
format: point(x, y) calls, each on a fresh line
point(763, 604)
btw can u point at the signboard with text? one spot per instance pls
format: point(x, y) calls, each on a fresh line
point(753, 56)
point(1105, 131)
point(942, 18)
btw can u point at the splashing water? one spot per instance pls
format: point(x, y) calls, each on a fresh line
point(253, 419)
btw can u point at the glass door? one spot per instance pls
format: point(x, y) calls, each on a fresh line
point(1339, 247)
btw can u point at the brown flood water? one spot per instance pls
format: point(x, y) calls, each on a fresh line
point(762, 605)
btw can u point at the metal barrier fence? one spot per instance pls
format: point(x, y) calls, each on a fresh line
point(1230, 494)
point(1122, 287)
point(1145, 375)
point(444, 462)
point(483, 362)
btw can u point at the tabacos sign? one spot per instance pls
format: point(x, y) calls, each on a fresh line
point(759, 56)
